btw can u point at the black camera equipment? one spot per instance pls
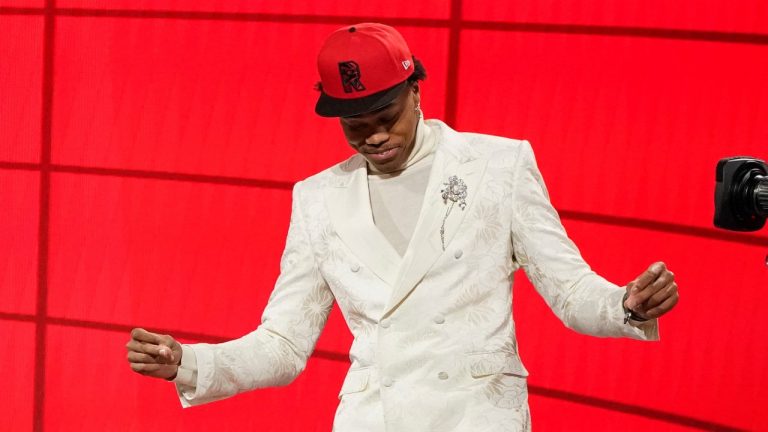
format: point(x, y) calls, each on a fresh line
point(741, 194)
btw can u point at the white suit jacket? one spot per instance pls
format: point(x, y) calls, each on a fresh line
point(434, 338)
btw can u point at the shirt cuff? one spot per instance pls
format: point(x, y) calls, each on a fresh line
point(650, 328)
point(186, 377)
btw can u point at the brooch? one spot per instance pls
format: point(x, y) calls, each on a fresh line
point(454, 191)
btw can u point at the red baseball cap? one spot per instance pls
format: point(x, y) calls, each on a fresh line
point(362, 68)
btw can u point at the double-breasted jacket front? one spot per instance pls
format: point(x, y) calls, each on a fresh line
point(434, 337)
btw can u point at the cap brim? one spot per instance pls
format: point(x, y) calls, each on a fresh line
point(328, 106)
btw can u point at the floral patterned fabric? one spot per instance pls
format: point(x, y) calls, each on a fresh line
point(434, 337)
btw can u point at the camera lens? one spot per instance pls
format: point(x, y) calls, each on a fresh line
point(761, 195)
point(741, 193)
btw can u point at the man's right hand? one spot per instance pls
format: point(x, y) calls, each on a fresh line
point(153, 355)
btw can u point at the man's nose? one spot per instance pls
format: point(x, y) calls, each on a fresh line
point(377, 138)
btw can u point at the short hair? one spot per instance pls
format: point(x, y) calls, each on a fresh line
point(419, 72)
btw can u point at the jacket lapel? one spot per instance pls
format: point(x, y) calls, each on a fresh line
point(349, 207)
point(454, 156)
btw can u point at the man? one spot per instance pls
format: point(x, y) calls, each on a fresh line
point(416, 238)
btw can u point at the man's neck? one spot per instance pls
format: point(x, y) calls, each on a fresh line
point(423, 146)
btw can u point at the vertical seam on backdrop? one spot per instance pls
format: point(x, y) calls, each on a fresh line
point(452, 73)
point(41, 311)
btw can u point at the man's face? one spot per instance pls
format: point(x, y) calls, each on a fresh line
point(385, 137)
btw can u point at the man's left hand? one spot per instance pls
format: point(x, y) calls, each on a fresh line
point(653, 293)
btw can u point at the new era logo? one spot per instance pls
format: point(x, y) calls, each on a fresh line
point(406, 64)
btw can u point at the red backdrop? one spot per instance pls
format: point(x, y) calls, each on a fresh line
point(147, 150)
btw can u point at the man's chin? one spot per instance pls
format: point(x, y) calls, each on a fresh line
point(386, 167)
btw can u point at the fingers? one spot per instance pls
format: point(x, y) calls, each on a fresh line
point(152, 354)
point(648, 284)
point(159, 347)
point(145, 364)
point(648, 276)
point(142, 335)
point(653, 293)
point(143, 367)
point(166, 353)
point(664, 307)
point(137, 357)
point(145, 348)
point(155, 370)
point(660, 296)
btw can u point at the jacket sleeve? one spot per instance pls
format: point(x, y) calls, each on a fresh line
point(277, 351)
point(584, 301)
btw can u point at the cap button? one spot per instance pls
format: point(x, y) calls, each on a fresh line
point(352, 29)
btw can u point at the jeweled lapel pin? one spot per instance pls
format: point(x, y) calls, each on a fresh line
point(454, 191)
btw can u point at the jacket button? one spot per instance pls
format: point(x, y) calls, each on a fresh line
point(387, 382)
point(355, 267)
point(385, 323)
point(443, 375)
point(458, 253)
point(439, 319)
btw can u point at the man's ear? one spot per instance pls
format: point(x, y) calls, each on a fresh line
point(415, 94)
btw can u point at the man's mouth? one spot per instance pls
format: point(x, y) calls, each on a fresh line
point(382, 155)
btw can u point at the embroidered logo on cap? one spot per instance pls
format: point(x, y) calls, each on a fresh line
point(350, 76)
point(406, 64)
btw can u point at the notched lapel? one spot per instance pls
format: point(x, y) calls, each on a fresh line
point(349, 208)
